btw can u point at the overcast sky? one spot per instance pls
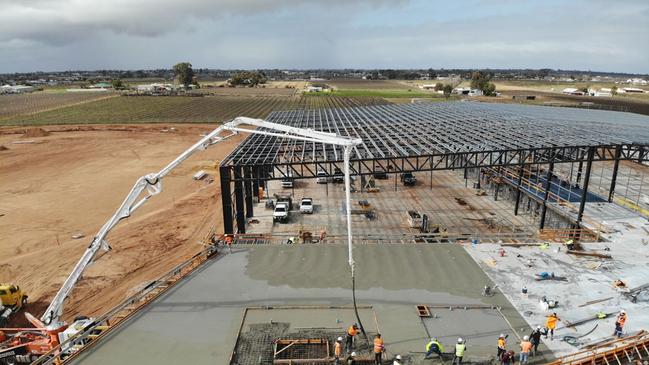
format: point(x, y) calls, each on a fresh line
point(51, 35)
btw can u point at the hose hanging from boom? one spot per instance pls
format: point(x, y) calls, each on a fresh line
point(346, 153)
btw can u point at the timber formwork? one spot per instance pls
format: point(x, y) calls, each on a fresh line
point(433, 136)
point(621, 351)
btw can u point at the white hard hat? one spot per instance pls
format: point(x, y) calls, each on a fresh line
point(538, 327)
point(525, 338)
point(459, 340)
point(353, 353)
point(622, 311)
point(502, 335)
point(398, 357)
point(339, 339)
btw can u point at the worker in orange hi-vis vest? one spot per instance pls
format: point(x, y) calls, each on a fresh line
point(379, 347)
point(619, 323)
point(551, 324)
point(338, 350)
point(228, 242)
point(351, 333)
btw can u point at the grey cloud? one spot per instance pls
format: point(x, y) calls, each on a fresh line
point(64, 21)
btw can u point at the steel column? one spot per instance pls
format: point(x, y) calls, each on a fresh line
point(248, 191)
point(226, 199)
point(521, 170)
point(584, 195)
point(581, 166)
point(616, 165)
point(239, 200)
point(548, 184)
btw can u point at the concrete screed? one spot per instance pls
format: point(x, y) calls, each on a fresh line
point(198, 320)
point(589, 278)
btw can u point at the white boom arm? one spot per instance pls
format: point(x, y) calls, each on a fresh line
point(153, 185)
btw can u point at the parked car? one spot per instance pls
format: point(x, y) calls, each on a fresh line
point(287, 182)
point(280, 214)
point(339, 177)
point(321, 177)
point(408, 179)
point(306, 205)
point(380, 173)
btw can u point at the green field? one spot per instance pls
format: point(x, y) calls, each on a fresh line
point(179, 109)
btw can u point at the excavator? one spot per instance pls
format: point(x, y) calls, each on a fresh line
point(26, 345)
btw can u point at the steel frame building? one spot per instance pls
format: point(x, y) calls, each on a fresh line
point(432, 136)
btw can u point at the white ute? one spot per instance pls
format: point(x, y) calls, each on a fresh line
point(280, 214)
point(306, 205)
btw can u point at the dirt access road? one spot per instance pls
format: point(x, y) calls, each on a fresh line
point(65, 181)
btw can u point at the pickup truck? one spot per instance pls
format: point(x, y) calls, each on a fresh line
point(306, 206)
point(408, 179)
point(287, 182)
point(280, 214)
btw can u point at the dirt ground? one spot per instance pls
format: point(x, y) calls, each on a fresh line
point(70, 180)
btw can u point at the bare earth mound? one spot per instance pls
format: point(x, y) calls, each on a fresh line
point(73, 184)
point(36, 132)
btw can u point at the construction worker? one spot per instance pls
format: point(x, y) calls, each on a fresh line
point(351, 359)
point(397, 360)
point(526, 348)
point(460, 348)
point(338, 350)
point(535, 339)
point(551, 324)
point(502, 345)
point(228, 242)
point(434, 347)
point(507, 358)
point(619, 322)
point(351, 333)
point(379, 347)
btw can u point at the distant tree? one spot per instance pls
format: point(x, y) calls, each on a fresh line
point(481, 81)
point(439, 86)
point(117, 84)
point(614, 90)
point(184, 73)
point(247, 78)
point(432, 74)
point(448, 89)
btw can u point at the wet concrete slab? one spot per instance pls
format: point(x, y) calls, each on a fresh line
point(198, 320)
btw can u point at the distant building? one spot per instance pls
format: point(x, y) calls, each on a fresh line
point(630, 90)
point(427, 86)
point(637, 81)
point(607, 92)
point(572, 91)
point(17, 89)
point(154, 87)
point(101, 85)
point(314, 89)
